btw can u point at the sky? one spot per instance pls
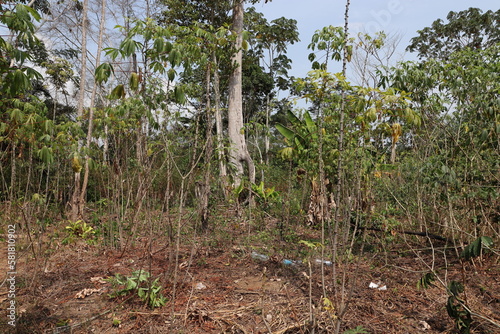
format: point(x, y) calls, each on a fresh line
point(403, 17)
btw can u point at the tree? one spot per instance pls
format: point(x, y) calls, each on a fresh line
point(372, 54)
point(256, 83)
point(83, 191)
point(76, 205)
point(207, 20)
point(457, 96)
point(187, 12)
point(22, 116)
point(238, 150)
point(465, 29)
point(269, 47)
point(17, 51)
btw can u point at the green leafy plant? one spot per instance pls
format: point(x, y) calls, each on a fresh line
point(312, 248)
point(456, 306)
point(457, 309)
point(116, 322)
point(357, 330)
point(476, 248)
point(148, 291)
point(311, 244)
point(79, 229)
point(300, 136)
point(264, 195)
point(63, 322)
point(241, 192)
point(426, 281)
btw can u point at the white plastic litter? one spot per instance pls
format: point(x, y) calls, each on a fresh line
point(377, 286)
point(200, 286)
point(260, 257)
point(326, 263)
point(424, 325)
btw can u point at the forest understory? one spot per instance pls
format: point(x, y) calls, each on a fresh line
point(241, 277)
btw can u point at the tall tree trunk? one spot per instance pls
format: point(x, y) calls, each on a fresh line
point(75, 205)
point(140, 150)
point(219, 129)
point(83, 192)
point(238, 153)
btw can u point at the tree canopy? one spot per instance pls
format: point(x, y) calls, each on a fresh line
point(469, 28)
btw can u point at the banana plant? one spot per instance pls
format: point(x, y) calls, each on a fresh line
point(302, 135)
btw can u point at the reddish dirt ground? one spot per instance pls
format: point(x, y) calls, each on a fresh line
point(240, 294)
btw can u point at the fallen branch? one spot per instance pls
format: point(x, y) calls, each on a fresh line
point(422, 234)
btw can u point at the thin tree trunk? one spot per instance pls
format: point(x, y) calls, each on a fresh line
point(393, 152)
point(75, 205)
point(238, 150)
point(340, 177)
point(105, 148)
point(219, 129)
point(30, 164)
point(267, 141)
point(91, 110)
point(140, 147)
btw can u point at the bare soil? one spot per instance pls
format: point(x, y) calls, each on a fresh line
point(216, 286)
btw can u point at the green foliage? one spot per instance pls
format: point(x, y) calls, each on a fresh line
point(456, 149)
point(116, 322)
point(117, 93)
point(239, 189)
point(271, 38)
point(357, 330)
point(426, 281)
point(275, 35)
point(179, 95)
point(154, 42)
point(46, 155)
point(148, 291)
point(187, 13)
point(23, 115)
point(476, 248)
point(17, 79)
point(301, 137)
point(38, 199)
point(469, 28)
point(59, 71)
point(128, 47)
point(103, 72)
point(457, 309)
point(79, 229)
point(331, 40)
point(134, 81)
point(311, 244)
point(264, 193)
point(374, 115)
point(265, 196)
